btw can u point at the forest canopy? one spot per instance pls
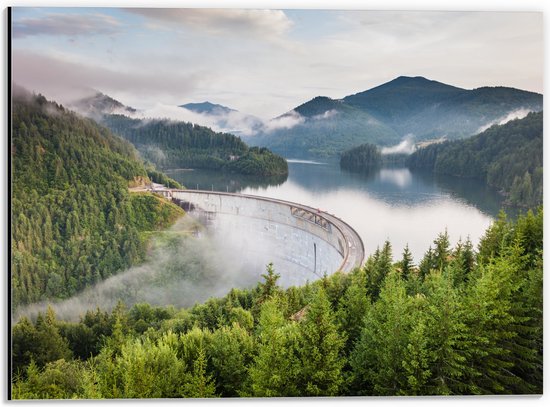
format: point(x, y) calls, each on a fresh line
point(508, 157)
point(460, 321)
point(74, 222)
point(175, 144)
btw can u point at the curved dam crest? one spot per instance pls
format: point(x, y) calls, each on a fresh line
point(303, 243)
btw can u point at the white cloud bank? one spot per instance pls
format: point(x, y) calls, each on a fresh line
point(406, 146)
point(514, 114)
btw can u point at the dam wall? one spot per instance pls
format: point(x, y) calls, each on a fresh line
point(302, 242)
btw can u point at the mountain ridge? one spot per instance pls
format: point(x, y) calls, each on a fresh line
point(405, 106)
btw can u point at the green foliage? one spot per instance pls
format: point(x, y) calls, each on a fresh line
point(319, 350)
point(74, 222)
point(377, 267)
point(170, 144)
point(41, 342)
point(361, 158)
point(258, 161)
point(508, 157)
point(275, 368)
point(464, 322)
point(161, 178)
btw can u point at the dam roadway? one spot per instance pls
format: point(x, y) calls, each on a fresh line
point(305, 239)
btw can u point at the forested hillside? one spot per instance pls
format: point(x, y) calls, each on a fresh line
point(171, 144)
point(508, 157)
point(73, 220)
point(462, 321)
point(430, 109)
point(325, 127)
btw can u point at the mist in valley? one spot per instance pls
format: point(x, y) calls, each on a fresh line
point(186, 264)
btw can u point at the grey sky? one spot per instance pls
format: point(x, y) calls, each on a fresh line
point(265, 62)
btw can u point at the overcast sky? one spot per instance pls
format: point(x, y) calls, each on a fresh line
point(265, 62)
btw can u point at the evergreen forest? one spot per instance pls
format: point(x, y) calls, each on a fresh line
point(508, 157)
point(73, 219)
point(463, 320)
point(174, 144)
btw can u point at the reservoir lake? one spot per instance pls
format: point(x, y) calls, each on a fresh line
point(394, 204)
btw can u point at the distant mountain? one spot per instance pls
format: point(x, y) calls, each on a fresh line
point(323, 127)
point(402, 97)
point(428, 109)
point(383, 115)
point(99, 104)
point(207, 108)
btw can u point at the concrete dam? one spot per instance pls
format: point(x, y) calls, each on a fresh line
point(302, 242)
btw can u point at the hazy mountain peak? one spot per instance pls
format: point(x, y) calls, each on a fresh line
point(207, 108)
point(319, 105)
point(99, 104)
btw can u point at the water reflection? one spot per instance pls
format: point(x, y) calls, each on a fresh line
point(390, 203)
point(220, 181)
point(400, 177)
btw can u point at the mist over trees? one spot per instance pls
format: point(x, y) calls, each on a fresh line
point(462, 321)
point(171, 144)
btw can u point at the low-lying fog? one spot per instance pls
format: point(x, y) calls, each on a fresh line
point(180, 270)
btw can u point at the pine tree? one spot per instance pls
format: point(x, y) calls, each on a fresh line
point(427, 264)
point(320, 350)
point(352, 307)
point(377, 268)
point(199, 384)
point(274, 371)
point(377, 359)
point(442, 251)
point(406, 263)
point(231, 352)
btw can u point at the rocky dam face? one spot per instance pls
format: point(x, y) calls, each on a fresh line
point(303, 243)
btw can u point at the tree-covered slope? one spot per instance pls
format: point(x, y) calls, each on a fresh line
point(324, 127)
point(73, 220)
point(175, 144)
point(508, 157)
point(460, 322)
point(430, 109)
point(402, 97)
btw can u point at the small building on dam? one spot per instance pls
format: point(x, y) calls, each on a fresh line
point(303, 243)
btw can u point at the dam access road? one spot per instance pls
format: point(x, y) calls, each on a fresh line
point(297, 238)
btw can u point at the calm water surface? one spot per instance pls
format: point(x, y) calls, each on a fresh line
point(392, 204)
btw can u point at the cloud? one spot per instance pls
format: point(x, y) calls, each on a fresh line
point(512, 115)
point(70, 25)
point(226, 21)
point(326, 115)
point(406, 146)
point(286, 121)
point(65, 81)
